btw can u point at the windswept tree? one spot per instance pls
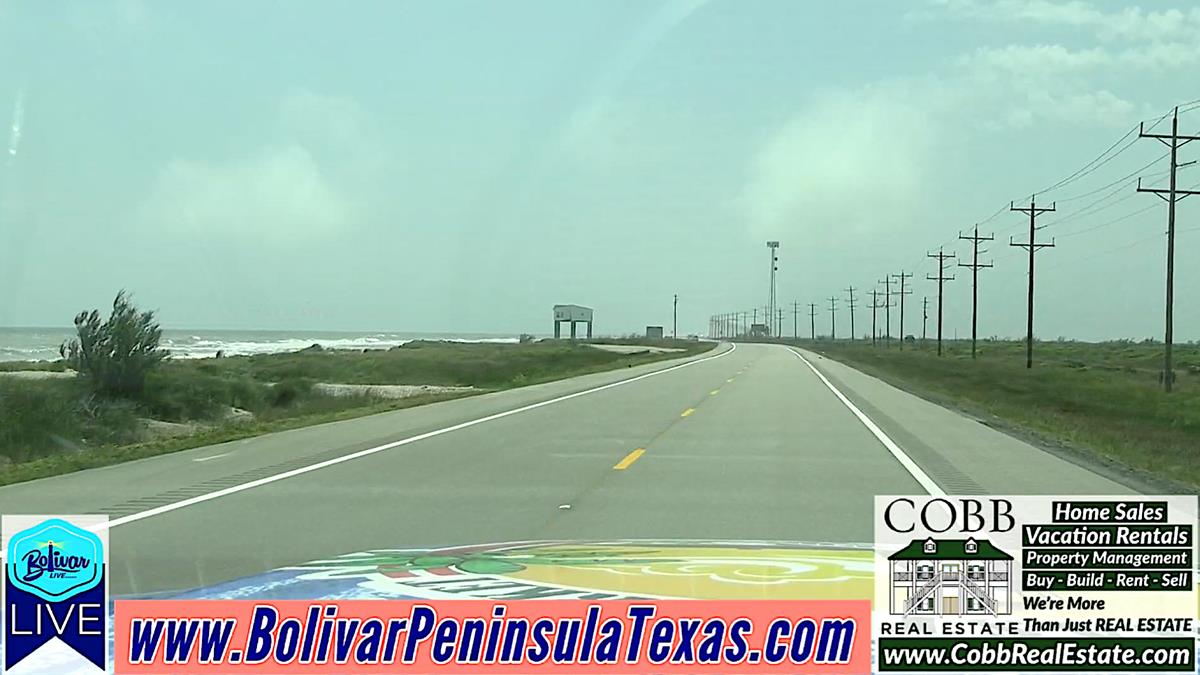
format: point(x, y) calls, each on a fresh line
point(115, 355)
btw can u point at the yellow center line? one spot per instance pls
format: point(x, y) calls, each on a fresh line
point(729, 380)
point(713, 392)
point(687, 412)
point(629, 459)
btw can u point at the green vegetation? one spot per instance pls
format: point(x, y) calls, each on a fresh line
point(51, 426)
point(1100, 400)
point(485, 365)
point(115, 355)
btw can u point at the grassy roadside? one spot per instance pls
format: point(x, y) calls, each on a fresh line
point(54, 426)
point(1101, 401)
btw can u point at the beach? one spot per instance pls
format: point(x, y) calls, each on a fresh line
point(41, 344)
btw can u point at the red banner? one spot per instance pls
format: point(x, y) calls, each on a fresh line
point(483, 636)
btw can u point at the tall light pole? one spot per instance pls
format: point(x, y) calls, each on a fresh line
point(675, 318)
point(773, 246)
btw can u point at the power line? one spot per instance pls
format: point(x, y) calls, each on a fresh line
point(1114, 221)
point(1129, 176)
point(1095, 163)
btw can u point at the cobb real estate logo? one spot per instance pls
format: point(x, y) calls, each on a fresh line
point(950, 576)
point(55, 593)
point(1011, 584)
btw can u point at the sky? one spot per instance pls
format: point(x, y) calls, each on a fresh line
point(463, 166)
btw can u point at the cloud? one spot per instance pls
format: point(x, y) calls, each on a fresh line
point(1034, 60)
point(295, 188)
point(1023, 84)
point(278, 194)
point(1053, 60)
point(1125, 24)
point(835, 169)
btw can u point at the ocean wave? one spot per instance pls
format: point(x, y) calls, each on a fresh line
point(27, 347)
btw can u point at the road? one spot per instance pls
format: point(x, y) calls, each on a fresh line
point(757, 442)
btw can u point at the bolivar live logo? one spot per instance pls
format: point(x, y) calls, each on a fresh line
point(55, 592)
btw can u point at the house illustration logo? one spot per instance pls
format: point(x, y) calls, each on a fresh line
point(950, 576)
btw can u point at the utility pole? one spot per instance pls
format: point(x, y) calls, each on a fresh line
point(832, 318)
point(795, 320)
point(902, 277)
point(941, 278)
point(924, 315)
point(1174, 141)
point(850, 300)
point(975, 266)
point(675, 318)
point(887, 309)
point(812, 320)
point(779, 322)
point(773, 246)
point(874, 306)
point(1032, 246)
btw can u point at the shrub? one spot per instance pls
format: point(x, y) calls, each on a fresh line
point(177, 397)
point(289, 391)
point(37, 417)
point(117, 354)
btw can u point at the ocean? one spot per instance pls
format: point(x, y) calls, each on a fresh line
point(38, 344)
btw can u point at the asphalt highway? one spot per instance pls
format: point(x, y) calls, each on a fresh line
point(757, 442)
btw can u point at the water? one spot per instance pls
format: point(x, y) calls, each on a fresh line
point(37, 344)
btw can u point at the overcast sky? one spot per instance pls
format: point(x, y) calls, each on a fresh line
point(455, 166)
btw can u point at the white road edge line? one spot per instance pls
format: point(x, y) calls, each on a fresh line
point(167, 508)
point(909, 465)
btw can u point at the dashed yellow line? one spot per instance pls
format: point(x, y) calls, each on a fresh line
point(687, 412)
point(713, 392)
point(729, 380)
point(629, 459)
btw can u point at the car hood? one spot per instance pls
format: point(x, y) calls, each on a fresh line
point(594, 570)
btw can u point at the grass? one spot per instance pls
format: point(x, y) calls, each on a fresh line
point(481, 365)
point(55, 426)
point(1100, 400)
